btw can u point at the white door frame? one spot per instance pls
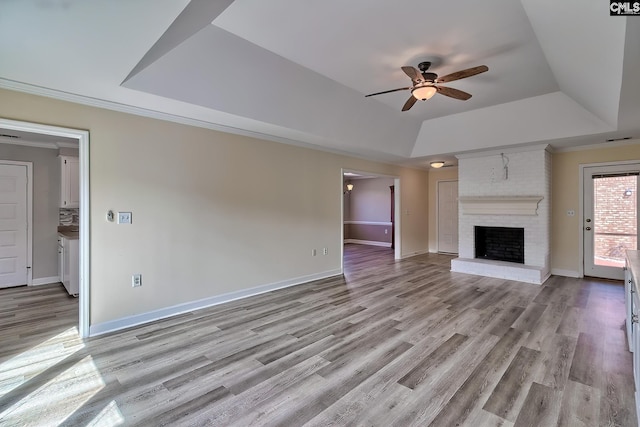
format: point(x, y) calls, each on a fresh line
point(83, 143)
point(29, 166)
point(438, 213)
point(581, 222)
point(397, 250)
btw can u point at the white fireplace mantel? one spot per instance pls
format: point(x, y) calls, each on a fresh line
point(500, 205)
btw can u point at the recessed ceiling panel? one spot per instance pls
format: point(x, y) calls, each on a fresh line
point(363, 43)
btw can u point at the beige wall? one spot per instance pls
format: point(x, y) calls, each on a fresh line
point(212, 212)
point(370, 200)
point(565, 230)
point(435, 175)
point(46, 199)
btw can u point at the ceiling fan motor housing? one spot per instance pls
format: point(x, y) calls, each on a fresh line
point(430, 77)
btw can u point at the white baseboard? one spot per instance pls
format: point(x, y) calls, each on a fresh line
point(139, 319)
point(385, 224)
point(565, 273)
point(45, 280)
point(368, 242)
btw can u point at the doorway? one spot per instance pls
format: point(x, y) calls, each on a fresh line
point(447, 217)
point(610, 218)
point(15, 223)
point(82, 137)
point(383, 229)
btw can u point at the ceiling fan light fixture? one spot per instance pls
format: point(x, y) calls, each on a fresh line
point(437, 165)
point(424, 92)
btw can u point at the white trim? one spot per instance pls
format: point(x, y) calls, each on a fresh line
point(368, 242)
point(45, 281)
point(139, 319)
point(29, 166)
point(507, 150)
point(83, 144)
point(565, 273)
point(615, 166)
point(597, 146)
point(500, 205)
point(170, 117)
point(388, 224)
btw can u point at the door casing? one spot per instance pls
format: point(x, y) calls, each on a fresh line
point(83, 144)
point(625, 164)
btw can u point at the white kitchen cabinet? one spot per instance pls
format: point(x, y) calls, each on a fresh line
point(632, 312)
point(69, 182)
point(70, 271)
point(61, 258)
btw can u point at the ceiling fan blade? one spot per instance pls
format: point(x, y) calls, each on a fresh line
point(413, 73)
point(463, 74)
point(407, 105)
point(389, 91)
point(453, 93)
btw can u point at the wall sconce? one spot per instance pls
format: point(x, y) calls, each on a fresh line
point(628, 192)
point(349, 188)
point(437, 165)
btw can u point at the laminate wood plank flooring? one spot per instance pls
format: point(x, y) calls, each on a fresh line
point(389, 343)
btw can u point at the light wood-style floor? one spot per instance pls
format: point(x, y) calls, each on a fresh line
point(391, 343)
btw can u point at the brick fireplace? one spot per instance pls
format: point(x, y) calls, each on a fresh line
point(508, 189)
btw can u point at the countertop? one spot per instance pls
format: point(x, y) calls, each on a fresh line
point(633, 260)
point(68, 232)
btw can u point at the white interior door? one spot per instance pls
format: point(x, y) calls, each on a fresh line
point(448, 216)
point(610, 218)
point(13, 225)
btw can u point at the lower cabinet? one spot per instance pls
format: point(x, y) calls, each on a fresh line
point(68, 256)
point(632, 312)
point(61, 258)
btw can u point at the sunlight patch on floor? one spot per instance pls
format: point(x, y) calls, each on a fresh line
point(31, 363)
point(59, 398)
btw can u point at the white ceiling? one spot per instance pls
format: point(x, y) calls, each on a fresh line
point(11, 136)
point(561, 72)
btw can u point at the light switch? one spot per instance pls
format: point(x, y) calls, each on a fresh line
point(124, 217)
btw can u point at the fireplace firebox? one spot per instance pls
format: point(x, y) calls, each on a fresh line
point(500, 243)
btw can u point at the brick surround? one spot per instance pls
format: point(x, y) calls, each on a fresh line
point(529, 174)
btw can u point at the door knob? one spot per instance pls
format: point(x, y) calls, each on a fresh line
point(588, 228)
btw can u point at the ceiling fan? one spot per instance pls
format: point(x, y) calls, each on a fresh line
point(426, 84)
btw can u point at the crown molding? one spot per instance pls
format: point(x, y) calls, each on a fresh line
point(169, 117)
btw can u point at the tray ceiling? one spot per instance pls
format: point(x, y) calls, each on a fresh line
point(297, 72)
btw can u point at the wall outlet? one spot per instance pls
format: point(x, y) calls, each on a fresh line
point(124, 217)
point(325, 251)
point(386, 231)
point(571, 212)
point(136, 280)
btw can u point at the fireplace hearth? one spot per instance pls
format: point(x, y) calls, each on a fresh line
point(499, 243)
